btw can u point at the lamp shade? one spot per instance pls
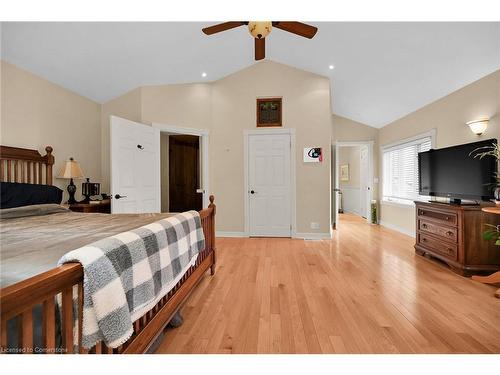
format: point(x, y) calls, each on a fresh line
point(478, 127)
point(71, 169)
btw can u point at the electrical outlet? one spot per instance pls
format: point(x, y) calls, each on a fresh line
point(314, 225)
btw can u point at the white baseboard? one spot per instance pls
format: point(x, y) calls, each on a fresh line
point(305, 236)
point(230, 234)
point(313, 236)
point(397, 228)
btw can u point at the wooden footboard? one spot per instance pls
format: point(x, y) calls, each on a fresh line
point(18, 301)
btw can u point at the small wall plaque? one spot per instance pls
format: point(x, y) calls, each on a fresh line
point(268, 112)
point(313, 155)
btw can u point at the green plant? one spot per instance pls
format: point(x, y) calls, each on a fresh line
point(494, 151)
point(492, 234)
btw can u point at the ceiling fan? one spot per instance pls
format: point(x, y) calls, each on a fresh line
point(260, 29)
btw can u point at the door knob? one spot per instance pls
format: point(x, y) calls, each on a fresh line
point(118, 196)
point(140, 147)
point(252, 192)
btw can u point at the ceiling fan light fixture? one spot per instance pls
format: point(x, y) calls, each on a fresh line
point(260, 29)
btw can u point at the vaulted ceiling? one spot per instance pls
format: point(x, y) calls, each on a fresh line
point(382, 71)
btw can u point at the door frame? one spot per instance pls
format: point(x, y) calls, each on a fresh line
point(204, 134)
point(293, 203)
point(369, 144)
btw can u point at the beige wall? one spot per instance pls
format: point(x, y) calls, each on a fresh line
point(227, 107)
point(351, 156)
point(306, 108)
point(36, 113)
point(347, 130)
point(186, 105)
point(448, 116)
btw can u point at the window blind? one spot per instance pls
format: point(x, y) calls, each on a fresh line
point(400, 170)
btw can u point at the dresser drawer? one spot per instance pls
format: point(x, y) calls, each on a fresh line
point(447, 233)
point(438, 246)
point(449, 218)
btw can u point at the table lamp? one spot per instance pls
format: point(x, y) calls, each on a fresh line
point(71, 169)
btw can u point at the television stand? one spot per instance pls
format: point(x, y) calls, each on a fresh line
point(456, 202)
point(453, 234)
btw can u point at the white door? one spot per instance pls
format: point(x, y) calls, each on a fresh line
point(269, 185)
point(135, 167)
point(363, 181)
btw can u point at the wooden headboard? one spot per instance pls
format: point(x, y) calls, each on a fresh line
point(25, 165)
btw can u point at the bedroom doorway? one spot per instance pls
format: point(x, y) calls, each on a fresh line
point(184, 168)
point(181, 169)
point(353, 174)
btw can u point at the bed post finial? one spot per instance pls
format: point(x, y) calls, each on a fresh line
point(211, 199)
point(48, 167)
point(50, 158)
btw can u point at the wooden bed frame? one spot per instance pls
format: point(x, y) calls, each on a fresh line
point(18, 300)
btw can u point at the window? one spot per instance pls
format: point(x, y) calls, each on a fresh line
point(400, 170)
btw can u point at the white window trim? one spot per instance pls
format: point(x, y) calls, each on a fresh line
point(431, 133)
point(394, 145)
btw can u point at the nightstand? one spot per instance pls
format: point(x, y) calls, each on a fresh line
point(103, 206)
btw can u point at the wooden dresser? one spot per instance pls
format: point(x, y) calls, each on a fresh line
point(453, 234)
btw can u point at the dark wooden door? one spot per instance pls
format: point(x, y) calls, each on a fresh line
point(184, 173)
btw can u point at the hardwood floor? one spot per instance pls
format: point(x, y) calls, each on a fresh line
point(364, 291)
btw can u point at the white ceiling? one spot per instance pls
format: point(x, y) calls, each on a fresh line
point(383, 71)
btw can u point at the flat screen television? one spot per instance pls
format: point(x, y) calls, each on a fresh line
point(453, 172)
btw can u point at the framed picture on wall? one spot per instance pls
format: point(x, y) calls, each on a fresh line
point(268, 112)
point(344, 172)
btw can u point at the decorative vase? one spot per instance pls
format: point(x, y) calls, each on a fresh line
point(374, 212)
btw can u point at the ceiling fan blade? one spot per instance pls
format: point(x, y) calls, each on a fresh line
point(222, 27)
point(260, 48)
point(299, 28)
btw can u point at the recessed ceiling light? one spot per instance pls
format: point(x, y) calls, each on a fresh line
point(331, 67)
point(203, 74)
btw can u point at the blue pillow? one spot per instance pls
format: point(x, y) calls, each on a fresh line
point(14, 194)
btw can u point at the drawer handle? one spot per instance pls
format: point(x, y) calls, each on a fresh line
point(447, 218)
point(450, 251)
point(449, 233)
point(424, 226)
point(424, 239)
point(422, 213)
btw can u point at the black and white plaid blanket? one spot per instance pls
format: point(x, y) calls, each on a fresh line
point(127, 274)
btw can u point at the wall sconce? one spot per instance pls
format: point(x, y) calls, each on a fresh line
point(478, 127)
